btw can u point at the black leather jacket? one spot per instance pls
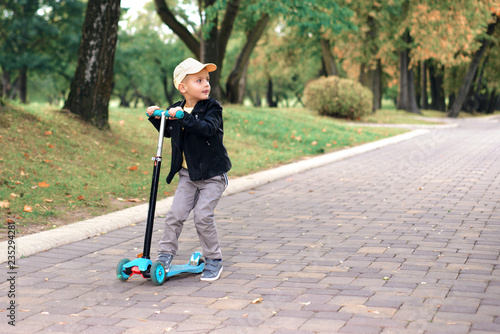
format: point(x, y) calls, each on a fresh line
point(200, 135)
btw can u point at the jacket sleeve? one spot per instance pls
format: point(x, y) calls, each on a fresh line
point(208, 125)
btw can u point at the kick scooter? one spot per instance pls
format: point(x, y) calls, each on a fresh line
point(142, 265)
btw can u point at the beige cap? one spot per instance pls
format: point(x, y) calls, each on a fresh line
point(190, 66)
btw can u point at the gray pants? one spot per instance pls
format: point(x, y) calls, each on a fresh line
point(201, 197)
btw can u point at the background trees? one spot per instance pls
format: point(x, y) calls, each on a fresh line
point(38, 37)
point(423, 54)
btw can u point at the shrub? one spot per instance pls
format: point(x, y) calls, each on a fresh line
point(338, 97)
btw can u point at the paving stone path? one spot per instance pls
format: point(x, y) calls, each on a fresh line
point(403, 239)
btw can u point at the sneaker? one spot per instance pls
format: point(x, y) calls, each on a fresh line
point(212, 270)
point(166, 260)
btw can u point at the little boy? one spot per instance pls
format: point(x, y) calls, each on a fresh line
point(199, 155)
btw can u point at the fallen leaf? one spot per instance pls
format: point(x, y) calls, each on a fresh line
point(4, 204)
point(43, 184)
point(132, 168)
point(50, 145)
point(27, 208)
point(257, 300)
point(48, 133)
point(133, 200)
point(80, 198)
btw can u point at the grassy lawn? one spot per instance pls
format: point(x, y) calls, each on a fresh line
point(55, 169)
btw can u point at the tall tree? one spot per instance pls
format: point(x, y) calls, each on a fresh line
point(407, 99)
point(473, 67)
point(214, 36)
point(93, 80)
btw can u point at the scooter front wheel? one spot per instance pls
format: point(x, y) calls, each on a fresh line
point(158, 273)
point(120, 273)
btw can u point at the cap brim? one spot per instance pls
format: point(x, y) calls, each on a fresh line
point(210, 68)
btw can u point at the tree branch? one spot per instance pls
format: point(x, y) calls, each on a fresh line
point(237, 72)
point(227, 25)
point(178, 28)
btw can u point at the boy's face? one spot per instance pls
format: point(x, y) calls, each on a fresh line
point(196, 87)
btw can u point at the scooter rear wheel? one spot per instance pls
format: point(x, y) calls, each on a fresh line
point(157, 273)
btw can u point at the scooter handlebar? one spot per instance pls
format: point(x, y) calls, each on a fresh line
point(157, 113)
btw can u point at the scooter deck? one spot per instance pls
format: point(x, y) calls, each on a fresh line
point(177, 269)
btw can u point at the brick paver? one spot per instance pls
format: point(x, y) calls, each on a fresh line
point(403, 239)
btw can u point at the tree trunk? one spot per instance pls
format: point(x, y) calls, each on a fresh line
point(93, 81)
point(209, 52)
point(328, 59)
point(424, 104)
point(492, 102)
point(407, 99)
point(372, 79)
point(242, 85)
point(5, 83)
point(436, 76)
point(233, 85)
point(23, 84)
point(271, 102)
point(471, 72)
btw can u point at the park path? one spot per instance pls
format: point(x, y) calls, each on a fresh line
point(402, 239)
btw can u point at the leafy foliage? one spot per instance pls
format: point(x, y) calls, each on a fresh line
point(41, 36)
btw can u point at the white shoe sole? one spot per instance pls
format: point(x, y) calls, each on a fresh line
point(205, 279)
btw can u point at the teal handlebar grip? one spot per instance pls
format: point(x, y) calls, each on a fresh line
point(157, 113)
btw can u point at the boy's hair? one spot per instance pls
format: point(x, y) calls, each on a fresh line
point(190, 66)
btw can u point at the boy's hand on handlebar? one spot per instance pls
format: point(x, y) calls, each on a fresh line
point(173, 111)
point(151, 110)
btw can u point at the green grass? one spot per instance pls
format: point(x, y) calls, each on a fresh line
point(55, 169)
point(388, 116)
